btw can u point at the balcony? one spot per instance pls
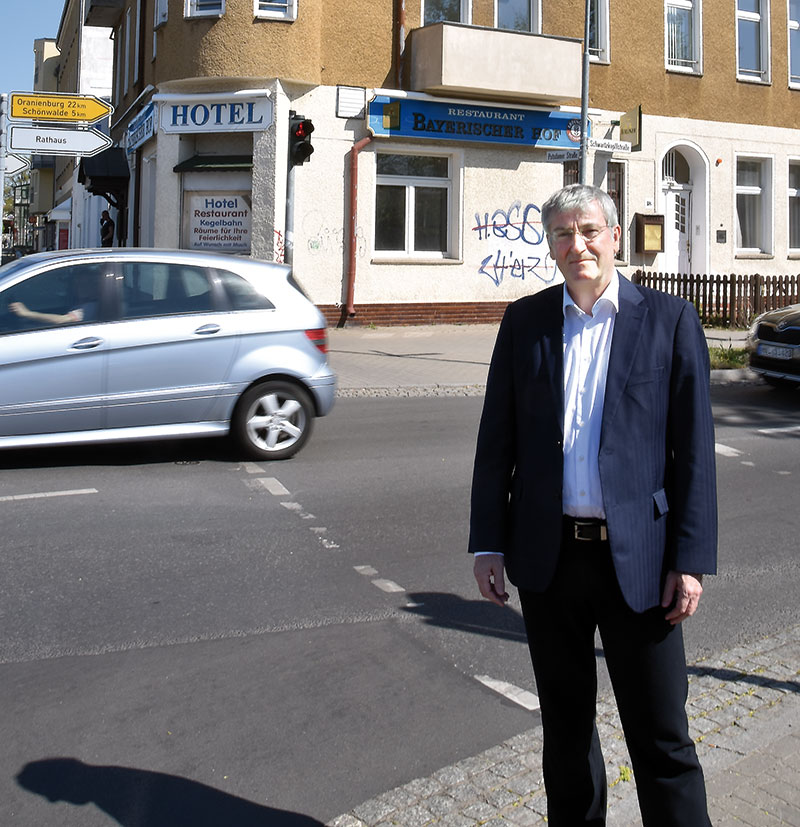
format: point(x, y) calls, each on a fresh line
point(494, 64)
point(103, 13)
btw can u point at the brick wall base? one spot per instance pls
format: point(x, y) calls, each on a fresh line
point(417, 313)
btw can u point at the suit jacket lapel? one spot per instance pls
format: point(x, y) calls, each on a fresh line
point(552, 343)
point(628, 332)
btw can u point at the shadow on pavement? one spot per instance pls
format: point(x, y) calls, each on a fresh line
point(726, 675)
point(479, 617)
point(140, 798)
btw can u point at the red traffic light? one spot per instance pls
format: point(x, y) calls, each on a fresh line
point(300, 148)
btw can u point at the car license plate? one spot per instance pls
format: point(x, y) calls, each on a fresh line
point(774, 351)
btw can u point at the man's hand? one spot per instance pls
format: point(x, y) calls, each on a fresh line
point(488, 571)
point(685, 589)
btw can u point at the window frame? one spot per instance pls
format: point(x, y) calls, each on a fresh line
point(621, 204)
point(792, 26)
point(536, 17)
point(791, 192)
point(190, 9)
point(765, 190)
point(450, 183)
point(265, 14)
point(695, 8)
point(160, 16)
point(602, 52)
point(762, 17)
point(466, 13)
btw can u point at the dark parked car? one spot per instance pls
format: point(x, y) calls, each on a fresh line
point(127, 344)
point(774, 346)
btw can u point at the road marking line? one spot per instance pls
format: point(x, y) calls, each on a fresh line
point(318, 529)
point(749, 464)
point(44, 494)
point(387, 585)
point(367, 571)
point(789, 429)
point(328, 543)
point(785, 473)
point(252, 468)
point(273, 486)
point(519, 696)
point(726, 450)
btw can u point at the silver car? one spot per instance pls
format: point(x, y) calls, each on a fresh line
point(127, 344)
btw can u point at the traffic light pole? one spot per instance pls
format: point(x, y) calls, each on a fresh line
point(288, 240)
point(584, 172)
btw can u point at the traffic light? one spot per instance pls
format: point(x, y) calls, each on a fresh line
point(300, 130)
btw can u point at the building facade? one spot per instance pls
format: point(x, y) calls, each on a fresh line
point(441, 126)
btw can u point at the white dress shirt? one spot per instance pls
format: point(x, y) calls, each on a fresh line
point(587, 345)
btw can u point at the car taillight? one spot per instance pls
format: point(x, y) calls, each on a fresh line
point(319, 337)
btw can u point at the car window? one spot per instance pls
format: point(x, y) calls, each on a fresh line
point(59, 296)
point(242, 295)
point(153, 288)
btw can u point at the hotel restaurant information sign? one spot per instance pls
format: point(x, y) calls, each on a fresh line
point(447, 121)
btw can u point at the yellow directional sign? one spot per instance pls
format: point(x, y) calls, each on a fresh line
point(58, 108)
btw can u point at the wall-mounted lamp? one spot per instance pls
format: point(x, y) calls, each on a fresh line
point(717, 162)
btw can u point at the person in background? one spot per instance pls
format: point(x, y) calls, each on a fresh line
point(106, 230)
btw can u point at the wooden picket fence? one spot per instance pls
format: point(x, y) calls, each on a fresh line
point(726, 300)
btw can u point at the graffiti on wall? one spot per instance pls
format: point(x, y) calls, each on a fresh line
point(279, 247)
point(518, 248)
point(324, 239)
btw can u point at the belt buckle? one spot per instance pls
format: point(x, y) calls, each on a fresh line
point(593, 531)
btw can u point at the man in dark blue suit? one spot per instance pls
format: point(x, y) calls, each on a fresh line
point(594, 490)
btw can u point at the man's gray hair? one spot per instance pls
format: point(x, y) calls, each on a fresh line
point(578, 197)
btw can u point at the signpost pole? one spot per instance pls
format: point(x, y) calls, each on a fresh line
point(3, 150)
point(584, 172)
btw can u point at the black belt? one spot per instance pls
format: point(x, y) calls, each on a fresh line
point(587, 529)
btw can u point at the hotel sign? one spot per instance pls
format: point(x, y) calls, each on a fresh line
point(445, 121)
point(215, 113)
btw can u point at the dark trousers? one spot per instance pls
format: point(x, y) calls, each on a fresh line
point(646, 662)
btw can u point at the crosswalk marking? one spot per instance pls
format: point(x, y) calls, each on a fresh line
point(519, 696)
point(45, 494)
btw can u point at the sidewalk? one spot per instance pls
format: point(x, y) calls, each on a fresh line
point(744, 706)
point(744, 712)
point(441, 360)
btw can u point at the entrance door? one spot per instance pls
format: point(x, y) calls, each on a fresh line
point(677, 230)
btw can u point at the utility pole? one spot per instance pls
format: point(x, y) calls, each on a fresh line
point(3, 102)
point(584, 172)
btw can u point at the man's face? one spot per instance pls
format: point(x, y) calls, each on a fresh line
point(583, 246)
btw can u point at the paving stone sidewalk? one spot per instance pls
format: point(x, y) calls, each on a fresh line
point(744, 712)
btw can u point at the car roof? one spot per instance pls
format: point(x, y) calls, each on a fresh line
point(195, 257)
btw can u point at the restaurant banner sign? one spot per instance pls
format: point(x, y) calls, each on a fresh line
point(446, 121)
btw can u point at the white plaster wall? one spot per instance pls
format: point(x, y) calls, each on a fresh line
point(167, 219)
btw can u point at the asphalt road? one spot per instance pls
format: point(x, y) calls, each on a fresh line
point(207, 641)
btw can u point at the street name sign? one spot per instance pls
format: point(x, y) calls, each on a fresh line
point(608, 146)
point(58, 108)
point(559, 156)
point(57, 141)
point(15, 165)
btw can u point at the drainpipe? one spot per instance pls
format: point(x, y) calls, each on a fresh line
point(348, 311)
point(401, 43)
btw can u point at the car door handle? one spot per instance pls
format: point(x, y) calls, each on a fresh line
point(86, 344)
point(207, 329)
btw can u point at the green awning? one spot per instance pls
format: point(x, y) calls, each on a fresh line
point(215, 163)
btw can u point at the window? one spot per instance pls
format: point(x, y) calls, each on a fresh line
point(204, 8)
point(67, 295)
point(684, 39)
point(599, 49)
point(753, 205)
point(127, 54)
point(445, 11)
point(571, 172)
point(518, 15)
point(794, 206)
point(156, 289)
point(752, 40)
point(160, 13)
point(413, 201)
point(794, 42)
point(276, 9)
point(615, 187)
point(241, 294)
point(136, 42)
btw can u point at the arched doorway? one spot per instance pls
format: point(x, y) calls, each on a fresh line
point(684, 204)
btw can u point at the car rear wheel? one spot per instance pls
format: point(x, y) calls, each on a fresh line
point(273, 420)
